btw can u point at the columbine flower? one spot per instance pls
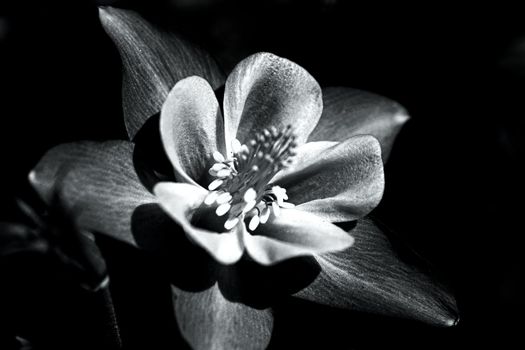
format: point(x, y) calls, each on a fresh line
point(250, 178)
point(268, 175)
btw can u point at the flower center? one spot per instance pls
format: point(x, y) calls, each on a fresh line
point(241, 182)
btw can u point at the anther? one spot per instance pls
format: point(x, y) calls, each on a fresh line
point(218, 157)
point(276, 209)
point(222, 209)
point(254, 222)
point(224, 198)
point(241, 182)
point(230, 223)
point(215, 184)
point(265, 215)
point(211, 197)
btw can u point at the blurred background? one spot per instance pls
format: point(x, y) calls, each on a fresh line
point(454, 182)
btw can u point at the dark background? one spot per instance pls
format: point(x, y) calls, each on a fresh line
point(454, 180)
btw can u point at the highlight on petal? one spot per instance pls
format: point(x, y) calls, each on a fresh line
point(371, 277)
point(294, 233)
point(154, 60)
point(96, 181)
point(266, 90)
point(349, 112)
point(191, 129)
point(336, 181)
point(180, 201)
point(208, 320)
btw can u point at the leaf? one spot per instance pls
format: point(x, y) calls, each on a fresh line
point(154, 60)
point(370, 277)
point(349, 112)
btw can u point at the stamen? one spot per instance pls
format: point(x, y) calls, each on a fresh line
point(249, 206)
point(265, 215)
point(276, 209)
point(254, 222)
point(236, 146)
point(250, 195)
point(218, 157)
point(215, 184)
point(230, 223)
point(218, 166)
point(222, 209)
point(241, 181)
point(211, 197)
point(223, 173)
point(223, 198)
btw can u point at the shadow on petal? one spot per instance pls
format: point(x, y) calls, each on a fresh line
point(347, 225)
point(188, 266)
point(149, 158)
point(191, 269)
point(261, 286)
point(151, 162)
point(142, 295)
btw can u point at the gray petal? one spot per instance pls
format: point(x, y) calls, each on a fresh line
point(153, 61)
point(370, 277)
point(349, 112)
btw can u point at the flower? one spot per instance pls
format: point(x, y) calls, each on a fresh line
point(245, 208)
point(227, 195)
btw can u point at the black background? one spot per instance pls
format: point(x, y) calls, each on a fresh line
point(454, 180)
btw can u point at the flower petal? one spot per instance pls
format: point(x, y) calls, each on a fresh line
point(191, 129)
point(96, 181)
point(348, 112)
point(338, 182)
point(153, 61)
point(266, 90)
point(208, 320)
point(294, 233)
point(370, 277)
point(180, 201)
